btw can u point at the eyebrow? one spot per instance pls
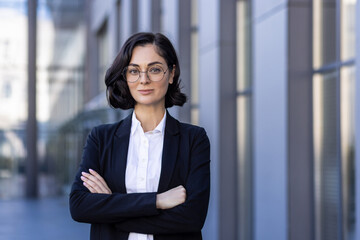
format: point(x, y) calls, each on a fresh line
point(150, 64)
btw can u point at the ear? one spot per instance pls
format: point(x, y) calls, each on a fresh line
point(172, 74)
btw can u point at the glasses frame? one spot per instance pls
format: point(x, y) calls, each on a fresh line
point(147, 74)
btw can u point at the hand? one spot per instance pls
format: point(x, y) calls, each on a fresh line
point(94, 182)
point(171, 198)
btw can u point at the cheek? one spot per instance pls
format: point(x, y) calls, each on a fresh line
point(165, 88)
point(131, 88)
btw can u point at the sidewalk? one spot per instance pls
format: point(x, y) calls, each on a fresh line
point(43, 219)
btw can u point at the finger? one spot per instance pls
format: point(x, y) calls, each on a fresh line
point(92, 190)
point(92, 184)
point(100, 178)
point(95, 183)
point(99, 181)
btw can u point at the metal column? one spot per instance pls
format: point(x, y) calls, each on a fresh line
point(31, 129)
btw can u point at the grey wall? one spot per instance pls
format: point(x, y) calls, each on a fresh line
point(270, 119)
point(209, 100)
point(300, 134)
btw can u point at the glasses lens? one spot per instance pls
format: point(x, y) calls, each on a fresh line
point(155, 73)
point(132, 74)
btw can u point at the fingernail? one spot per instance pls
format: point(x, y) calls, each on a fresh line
point(91, 170)
point(82, 178)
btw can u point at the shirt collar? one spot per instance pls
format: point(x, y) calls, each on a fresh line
point(135, 124)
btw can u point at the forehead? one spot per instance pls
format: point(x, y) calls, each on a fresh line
point(143, 55)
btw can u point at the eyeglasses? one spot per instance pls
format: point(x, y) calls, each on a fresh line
point(153, 73)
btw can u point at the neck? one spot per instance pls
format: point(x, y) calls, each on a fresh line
point(148, 116)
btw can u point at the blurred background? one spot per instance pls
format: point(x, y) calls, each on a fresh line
point(273, 82)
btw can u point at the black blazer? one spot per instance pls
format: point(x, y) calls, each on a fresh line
point(185, 161)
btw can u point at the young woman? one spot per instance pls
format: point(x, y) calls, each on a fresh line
point(147, 176)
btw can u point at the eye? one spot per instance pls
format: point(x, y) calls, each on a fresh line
point(155, 70)
point(133, 71)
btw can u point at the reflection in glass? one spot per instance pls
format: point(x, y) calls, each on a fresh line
point(243, 45)
point(103, 55)
point(348, 29)
point(347, 150)
point(324, 32)
point(194, 64)
point(326, 160)
point(60, 56)
point(13, 97)
point(244, 156)
point(244, 113)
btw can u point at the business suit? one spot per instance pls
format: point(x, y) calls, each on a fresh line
point(185, 161)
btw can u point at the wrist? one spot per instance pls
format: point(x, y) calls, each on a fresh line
point(158, 201)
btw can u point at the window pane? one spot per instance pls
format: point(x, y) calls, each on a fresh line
point(327, 180)
point(324, 32)
point(348, 29)
point(244, 156)
point(347, 149)
point(243, 42)
point(194, 64)
point(244, 113)
point(103, 56)
point(13, 97)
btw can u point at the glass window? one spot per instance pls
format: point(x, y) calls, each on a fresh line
point(61, 84)
point(244, 113)
point(347, 102)
point(348, 29)
point(103, 55)
point(194, 99)
point(324, 32)
point(327, 182)
point(13, 97)
point(334, 100)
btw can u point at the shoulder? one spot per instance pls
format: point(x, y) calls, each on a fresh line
point(184, 129)
point(111, 128)
point(107, 131)
point(190, 128)
point(193, 133)
point(195, 138)
point(105, 128)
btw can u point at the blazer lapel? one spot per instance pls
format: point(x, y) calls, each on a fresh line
point(120, 151)
point(170, 150)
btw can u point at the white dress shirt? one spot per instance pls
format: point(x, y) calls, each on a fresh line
point(143, 165)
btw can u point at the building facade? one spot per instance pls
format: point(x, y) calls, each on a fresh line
point(274, 85)
point(273, 82)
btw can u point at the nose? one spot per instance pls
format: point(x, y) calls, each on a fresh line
point(143, 78)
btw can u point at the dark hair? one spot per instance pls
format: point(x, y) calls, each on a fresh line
point(118, 93)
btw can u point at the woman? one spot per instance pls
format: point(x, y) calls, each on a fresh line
point(147, 176)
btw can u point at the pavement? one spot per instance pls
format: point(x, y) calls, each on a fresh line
point(42, 219)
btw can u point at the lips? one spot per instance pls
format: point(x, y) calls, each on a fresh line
point(145, 91)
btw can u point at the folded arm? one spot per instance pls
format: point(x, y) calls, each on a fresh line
point(186, 217)
point(89, 207)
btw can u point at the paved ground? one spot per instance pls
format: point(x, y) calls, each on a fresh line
point(43, 219)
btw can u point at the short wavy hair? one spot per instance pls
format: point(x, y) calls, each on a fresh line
point(117, 90)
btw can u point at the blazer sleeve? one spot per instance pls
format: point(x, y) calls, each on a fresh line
point(105, 208)
point(189, 216)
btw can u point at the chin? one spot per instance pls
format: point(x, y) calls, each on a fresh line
point(150, 102)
